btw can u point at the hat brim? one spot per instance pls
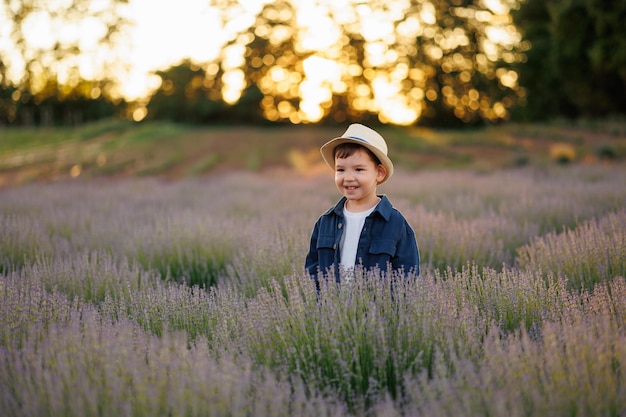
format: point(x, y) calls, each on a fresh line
point(328, 149)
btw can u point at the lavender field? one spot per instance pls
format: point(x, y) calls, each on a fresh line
point(142, 297)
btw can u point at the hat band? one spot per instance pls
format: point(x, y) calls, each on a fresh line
point(359, 139)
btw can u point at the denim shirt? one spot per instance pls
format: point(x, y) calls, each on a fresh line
point(387, 240)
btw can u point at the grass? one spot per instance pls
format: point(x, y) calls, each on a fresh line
point(121, 148)
point(139, 296)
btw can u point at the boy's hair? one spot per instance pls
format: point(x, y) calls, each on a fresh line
point(347, 149)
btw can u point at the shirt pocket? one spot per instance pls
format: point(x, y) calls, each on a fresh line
point(383, 246)
point(326, 242)
point(381, 251)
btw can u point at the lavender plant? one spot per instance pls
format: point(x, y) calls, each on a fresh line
point(25, 304)
point(576, 367)
point(188, 298)
point(593, 252)
point(91, 365)
point(465, 216)
point(89, 276)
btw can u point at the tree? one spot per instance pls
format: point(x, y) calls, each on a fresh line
point(190, 94)
point(401, 60)
point(47, 41)
point(577, 64)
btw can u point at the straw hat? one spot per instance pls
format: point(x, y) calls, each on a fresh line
point(364, 136)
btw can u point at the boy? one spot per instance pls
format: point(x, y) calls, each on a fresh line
point(363, 228)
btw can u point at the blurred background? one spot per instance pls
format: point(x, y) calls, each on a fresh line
point(397, 62)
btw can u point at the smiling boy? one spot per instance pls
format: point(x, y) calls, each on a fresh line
point(363, 228)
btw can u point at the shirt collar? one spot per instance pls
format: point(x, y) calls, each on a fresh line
point(384, 207)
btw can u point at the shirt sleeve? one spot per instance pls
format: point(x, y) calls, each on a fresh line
point(311, 263)
point(407, 253)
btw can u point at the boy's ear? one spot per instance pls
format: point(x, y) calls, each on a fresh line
point(382, 173)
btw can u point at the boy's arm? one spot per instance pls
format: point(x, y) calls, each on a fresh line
point(407, 253)
point(311, 262)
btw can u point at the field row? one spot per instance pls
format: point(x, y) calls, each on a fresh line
point(146, 297)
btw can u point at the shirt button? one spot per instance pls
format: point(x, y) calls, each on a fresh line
point(340, 225)
point(335, 246)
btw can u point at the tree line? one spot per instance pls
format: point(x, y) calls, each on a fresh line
point(569, 61)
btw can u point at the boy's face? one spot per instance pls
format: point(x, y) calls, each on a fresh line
point(357, 177)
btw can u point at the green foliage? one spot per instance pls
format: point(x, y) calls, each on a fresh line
point(205, 165)
point(189, 262)
point(26, 138)
point(575, 67)
point(188, 94)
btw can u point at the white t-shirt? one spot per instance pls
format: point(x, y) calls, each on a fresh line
point(351, 234)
